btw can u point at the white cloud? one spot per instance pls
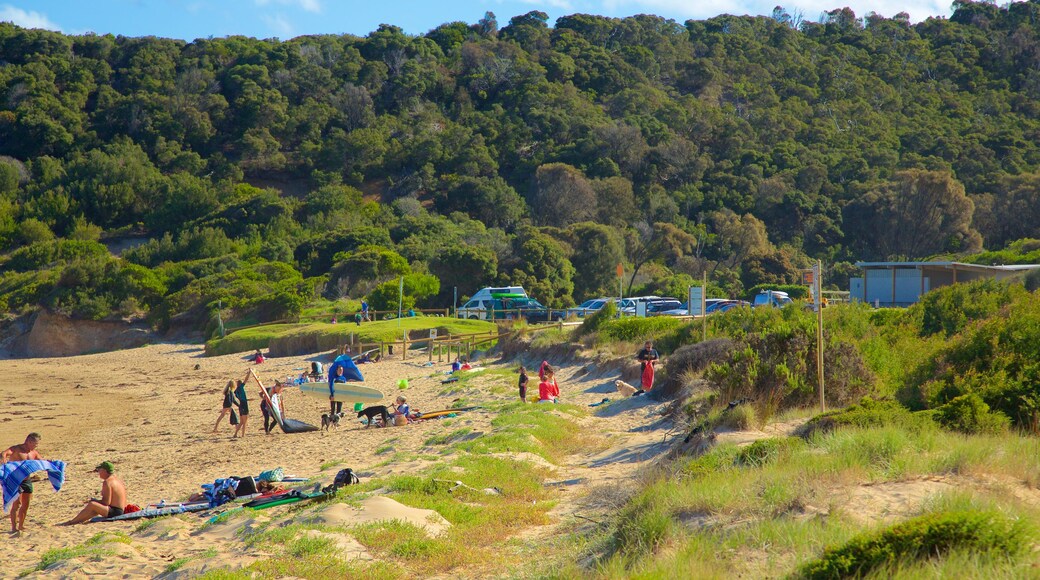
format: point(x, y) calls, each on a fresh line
point(307, 5)
point(26, 18)
point(560, 4)
point(812, 9)
point(280, 25)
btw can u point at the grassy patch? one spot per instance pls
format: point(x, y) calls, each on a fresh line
point(551, 431)
point(928, 536)
point(330, 464)
point(94, 548)
point(448, 437)
point(326, 336)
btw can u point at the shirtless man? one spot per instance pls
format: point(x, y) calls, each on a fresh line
point(22, 452)
point(113, 497)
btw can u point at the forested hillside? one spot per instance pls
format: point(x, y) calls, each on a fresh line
point(153, 177)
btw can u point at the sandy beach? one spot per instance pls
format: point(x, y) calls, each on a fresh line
point(151, 412)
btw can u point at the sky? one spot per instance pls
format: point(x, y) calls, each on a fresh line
point(190, 19)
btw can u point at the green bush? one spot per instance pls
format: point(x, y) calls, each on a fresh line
point(766, 451)
point(633, 329)
point(950, 309)
point(596, 320)
point(867, 413)
point(928, 536)
point(970, 414)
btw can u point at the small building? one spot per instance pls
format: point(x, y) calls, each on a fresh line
point(903, 283)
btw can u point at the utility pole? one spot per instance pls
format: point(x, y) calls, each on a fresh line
point(818, 300)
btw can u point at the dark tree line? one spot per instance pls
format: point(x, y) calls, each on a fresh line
point(264, 172)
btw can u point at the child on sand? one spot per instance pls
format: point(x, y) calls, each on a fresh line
point(523, 384)
point(548, 390)
point(228, 402)
point(401, 410)
point(243, 408)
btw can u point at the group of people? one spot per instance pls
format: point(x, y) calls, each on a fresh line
point(549, 389)
point(18, 482)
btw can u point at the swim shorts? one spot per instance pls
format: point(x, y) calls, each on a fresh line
point(26, 487)
point(243, 408)
point(113, 511)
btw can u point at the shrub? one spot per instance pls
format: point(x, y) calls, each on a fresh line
point(970, 414)
point(689, 359)
point(766, 451)
point(951, 308)
point(596, 321)
point(927, 536)
point(638, 329)
point(795, 291)
point(867, 413)
point(740, 418)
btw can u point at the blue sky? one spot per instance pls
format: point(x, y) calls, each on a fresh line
point(189, 19)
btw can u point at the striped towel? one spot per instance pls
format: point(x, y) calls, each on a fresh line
point(12, 475)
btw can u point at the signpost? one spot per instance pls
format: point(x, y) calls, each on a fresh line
point(817, 275)
point(620, 282)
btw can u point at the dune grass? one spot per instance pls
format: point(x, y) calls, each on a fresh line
point(769, 508)
point(327, 336)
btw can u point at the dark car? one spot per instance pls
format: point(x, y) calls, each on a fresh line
point(527, 308)
point(662, 306)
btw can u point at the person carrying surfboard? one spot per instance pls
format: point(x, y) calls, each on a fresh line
point(270, 422)
point(342, 370)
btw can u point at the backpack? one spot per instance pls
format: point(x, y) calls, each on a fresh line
point(345, 477)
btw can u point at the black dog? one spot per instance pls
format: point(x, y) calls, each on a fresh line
point(330, 420)
point(371, 412)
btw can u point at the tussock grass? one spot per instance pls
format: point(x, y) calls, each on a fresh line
point(95, 547)
point(778, 503)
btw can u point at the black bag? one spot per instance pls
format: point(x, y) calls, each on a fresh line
point(345, 477)
point(234, 417)
point(246, 486)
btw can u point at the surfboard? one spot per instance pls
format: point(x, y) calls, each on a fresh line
point(343, 392)
point(156, 513)
point(435, 414)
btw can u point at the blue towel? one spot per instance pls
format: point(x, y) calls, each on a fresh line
point(12, 475)
point(216, 492)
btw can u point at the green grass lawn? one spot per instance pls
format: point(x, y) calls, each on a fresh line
point(326, 335)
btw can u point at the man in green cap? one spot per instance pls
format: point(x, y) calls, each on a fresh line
point(113, 497)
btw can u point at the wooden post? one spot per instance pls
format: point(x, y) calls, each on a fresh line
point(404, 345)
point(817, 282)
point(429, 348)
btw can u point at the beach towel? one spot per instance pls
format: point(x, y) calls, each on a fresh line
point(648, 375)
point(12, 475)
point(220, 491)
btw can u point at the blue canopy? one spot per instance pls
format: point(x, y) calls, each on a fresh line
point(350, 370)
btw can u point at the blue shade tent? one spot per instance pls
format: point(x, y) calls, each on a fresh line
point(350, 370)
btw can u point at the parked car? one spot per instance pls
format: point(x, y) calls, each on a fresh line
point(526, 308)
point(478, 307)
point(628, 305)
point(588, 307)
point(774, 298)
point(659, 307)
point(729, 305)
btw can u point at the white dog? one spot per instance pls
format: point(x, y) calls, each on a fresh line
point(624, 388)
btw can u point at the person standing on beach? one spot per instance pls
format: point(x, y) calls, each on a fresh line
point(22, 452)
point(523, 384)
point(243, 408)
point(364, 311)
point(269, 420)
point(228, 403)
point(113, 497)
point(648, 358)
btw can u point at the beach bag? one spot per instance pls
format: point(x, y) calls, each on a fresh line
point(273, 475)
point(345, 477)
point(648, 376)
point(131, 508)
point(246, 486)
point(234, 417)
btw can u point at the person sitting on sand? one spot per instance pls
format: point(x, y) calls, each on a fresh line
point(22, 452)
point(457, 365)
point(269, 419)
point(258, 358)
point(548, 390)
point(465, 365)
point(243, 408)
point(401, 409)
point(229, 401)
point(113, 497)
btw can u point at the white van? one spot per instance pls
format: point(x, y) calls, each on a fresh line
point(480, 304)
point(772, 298)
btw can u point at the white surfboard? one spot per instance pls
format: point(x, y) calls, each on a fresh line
point(353, 392)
